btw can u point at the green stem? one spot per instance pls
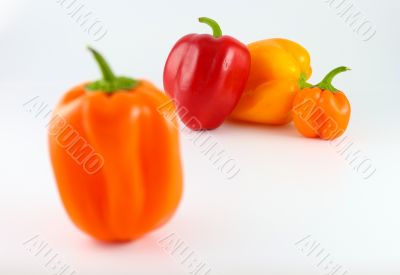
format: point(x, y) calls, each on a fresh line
point(109, 83)
point(326, 83)
point(217, 32)
point(303, 82)
point(105, 69)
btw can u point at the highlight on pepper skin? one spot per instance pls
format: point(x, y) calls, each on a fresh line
point(139, 186)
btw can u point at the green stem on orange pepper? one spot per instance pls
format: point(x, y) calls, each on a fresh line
point(109, 83)
point(326, 83)
point(303, 82)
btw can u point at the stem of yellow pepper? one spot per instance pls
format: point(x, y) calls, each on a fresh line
point(109, 83)
point(217, 32)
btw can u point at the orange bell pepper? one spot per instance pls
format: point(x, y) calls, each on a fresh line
point(137, 181)
point(277, 66)
point(322, 110)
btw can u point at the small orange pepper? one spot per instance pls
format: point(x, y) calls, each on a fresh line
point(322, 110)
point(276, 68)
point(115, 156)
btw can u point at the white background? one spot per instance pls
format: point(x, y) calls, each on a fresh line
point(289, 187)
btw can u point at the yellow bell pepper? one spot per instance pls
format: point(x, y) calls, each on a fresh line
point(278, 69)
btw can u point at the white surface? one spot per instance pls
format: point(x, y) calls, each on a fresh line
point(289, 187)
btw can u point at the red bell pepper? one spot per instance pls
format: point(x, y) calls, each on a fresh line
point(206, 75)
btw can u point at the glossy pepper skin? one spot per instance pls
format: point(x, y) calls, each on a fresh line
point(277, 65)
point(205, 75)
point(138, 185)
point(322, 110)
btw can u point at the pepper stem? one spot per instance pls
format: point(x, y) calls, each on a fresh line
point(217, 32)
point(109, 83)
point(326, 83)
point(105, 69)
point(303, 82)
